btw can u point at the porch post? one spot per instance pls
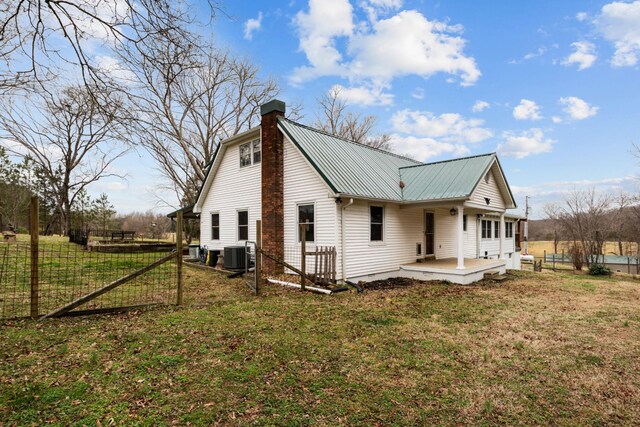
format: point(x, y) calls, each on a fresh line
point(502, 234)
point(460, 236)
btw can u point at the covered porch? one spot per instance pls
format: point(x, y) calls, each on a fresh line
point(448, 269)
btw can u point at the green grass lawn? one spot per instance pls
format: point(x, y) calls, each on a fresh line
point(545, 348)
point(67, 272)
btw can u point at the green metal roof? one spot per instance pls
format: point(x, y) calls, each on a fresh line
point(348, 167)
point(451, 179)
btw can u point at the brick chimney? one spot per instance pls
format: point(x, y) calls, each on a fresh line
point(272, 184)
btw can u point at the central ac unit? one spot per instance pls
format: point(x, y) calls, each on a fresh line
point(235, 257)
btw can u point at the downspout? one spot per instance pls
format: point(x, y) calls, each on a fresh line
point(343, 241)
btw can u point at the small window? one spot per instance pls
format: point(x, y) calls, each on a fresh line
point(497, 229)
point(306, 218)
point(376, 218)
point(243, 225)
point(245, 155)
point(464, 223)
point(215, 226)
point(508, 229)
point(256, 151)
point(250, 153)
point(486, 229)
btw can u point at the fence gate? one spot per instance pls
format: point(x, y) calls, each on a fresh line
point(251, 267)
point(51, 277)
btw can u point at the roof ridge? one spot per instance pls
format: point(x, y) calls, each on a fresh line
point(352, 142)
point(450, 160)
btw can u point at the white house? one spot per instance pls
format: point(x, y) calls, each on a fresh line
point(385, 214)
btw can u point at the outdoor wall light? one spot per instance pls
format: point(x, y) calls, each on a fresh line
point(452, 212)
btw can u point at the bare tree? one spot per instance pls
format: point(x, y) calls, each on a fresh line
point(336, 120)
point(585, 219)
point(69, 138)
point(553, 213)
point(188, 98)
point(40, 39)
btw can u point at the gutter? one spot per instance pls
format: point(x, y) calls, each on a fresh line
point(343, 240)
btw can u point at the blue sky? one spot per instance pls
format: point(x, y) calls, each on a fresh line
point(553, 87)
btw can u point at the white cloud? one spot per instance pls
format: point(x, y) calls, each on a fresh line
point(418, 93)
point(317, 30)
point(480, 106)
point(526, 143)
point(556, 119)
point(584, 55)
point(576, 108)
point(362, 95)
point(374, 8)
point(113, 67)
point(527, 110)
point(378, 51)
point(619, 23)
point(252, 25)
point(449, 127)
point(581, 16)
point(423, 149)
point(541, 51)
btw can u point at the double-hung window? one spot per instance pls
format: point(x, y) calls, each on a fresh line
point(508, 229)
point(250, 153)
point(306, 219)
point(215, 226)
point(376, 221)
point(243, 225)
point(486, 229)
point(497, 229)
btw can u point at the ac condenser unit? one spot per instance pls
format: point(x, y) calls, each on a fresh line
point(235, 257)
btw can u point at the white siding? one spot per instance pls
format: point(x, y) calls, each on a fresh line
point(302, 185)
point(233, 188)
point(403, 228)
point(489, 190)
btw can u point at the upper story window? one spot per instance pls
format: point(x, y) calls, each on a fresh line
point(306, 218)
point(376, 218)
point(486, 229)
point(250, 153)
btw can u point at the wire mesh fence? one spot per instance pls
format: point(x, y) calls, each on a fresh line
point(67, 272)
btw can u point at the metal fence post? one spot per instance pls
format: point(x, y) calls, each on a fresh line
point(303, 254)
point(34, 230)
point(258, 266)
point(179, 259)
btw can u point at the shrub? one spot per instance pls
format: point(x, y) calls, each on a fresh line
point(599, 270)
point(577, 256)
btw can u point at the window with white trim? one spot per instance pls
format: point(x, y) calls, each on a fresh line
point(464, 223)
point(243, 225)
point(215, 226)
point(486, 229)
point(306, 217)
point(496, 229)
point(376, 222)
point(250, 153)
point(508, 229)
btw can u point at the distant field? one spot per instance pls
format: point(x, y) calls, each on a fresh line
point(538, 248)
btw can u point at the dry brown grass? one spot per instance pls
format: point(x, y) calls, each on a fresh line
point(545, 348)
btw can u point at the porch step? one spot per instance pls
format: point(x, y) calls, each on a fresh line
point(492, 274)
